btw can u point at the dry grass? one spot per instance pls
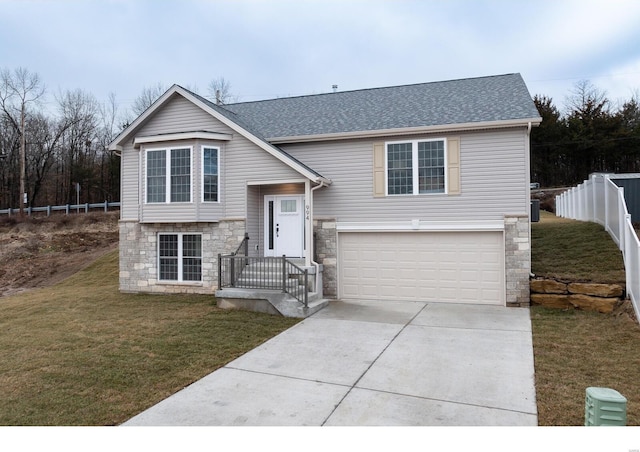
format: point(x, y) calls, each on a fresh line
point(81, 353)
point(574, 350)
point(574, 250)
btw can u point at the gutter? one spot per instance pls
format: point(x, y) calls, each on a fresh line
point(441, 128)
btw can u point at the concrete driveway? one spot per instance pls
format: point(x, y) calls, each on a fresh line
point(373, 363)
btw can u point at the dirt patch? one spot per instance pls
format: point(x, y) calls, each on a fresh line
point(39, 252)
point(625, 309)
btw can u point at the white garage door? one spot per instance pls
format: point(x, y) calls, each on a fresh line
point(458, 267)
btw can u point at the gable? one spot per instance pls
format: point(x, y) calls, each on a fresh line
point(180, 111)
point(181, 115)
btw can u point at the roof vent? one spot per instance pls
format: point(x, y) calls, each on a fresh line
point(335, 88)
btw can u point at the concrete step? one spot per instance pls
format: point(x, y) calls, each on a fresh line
point(283, 303)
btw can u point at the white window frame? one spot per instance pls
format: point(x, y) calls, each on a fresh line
point(180, 257)
point(415, 162)
point(217, 148)
point(167, 199)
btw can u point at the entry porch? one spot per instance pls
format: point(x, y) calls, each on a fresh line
point(275, 268)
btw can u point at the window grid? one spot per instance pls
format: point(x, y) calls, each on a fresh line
point(168, 253)
point(181, 175)
point(210, 174)
point(191, 257)
point(431, 167)
point(180, 257)
point(168, 175)
point(416, 167)
point(156, 176)
point(400, 169)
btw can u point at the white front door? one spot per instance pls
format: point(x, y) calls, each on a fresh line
point(284, 225)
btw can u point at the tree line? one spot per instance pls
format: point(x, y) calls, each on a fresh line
point(592, 135)
point(51, 147)
point(48, 153)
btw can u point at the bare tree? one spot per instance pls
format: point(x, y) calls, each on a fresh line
point(146, 98)
point(78, 145)
point(18, 89)
point(585, 96)
point(219, 91)
point(9, 164)
point(109, 161)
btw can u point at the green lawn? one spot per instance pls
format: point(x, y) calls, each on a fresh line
point(81, 353)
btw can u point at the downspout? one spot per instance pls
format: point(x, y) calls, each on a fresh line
point(312, 251)
point(528, 144)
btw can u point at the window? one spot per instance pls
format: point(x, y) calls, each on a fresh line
point(169, 175)
point(400, 169)
point(180, 175)
point(180, 257)
point(431, 166)
point(210, 174)
point(288, 206)
point(415, 167)
point(156, 176)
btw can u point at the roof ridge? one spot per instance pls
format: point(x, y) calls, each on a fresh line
point(371, 89)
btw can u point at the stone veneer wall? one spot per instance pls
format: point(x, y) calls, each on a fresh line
point(139, 254)
point(517, 250)
point(326, 254)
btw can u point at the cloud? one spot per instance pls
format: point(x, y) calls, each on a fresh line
point(291, 47)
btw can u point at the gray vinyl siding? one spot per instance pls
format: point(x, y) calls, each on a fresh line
point(493, 175)
point(180, 115)
point(245, 162)
point(266, 190)
point(240, 161)
point(254, 221)
point(129, 184)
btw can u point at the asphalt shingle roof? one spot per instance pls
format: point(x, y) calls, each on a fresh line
point(494, 98)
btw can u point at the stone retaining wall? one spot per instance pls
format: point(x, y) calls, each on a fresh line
point(587, 296)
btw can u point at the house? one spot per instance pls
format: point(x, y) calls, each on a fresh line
point(415, 192)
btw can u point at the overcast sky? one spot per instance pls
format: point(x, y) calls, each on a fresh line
point(275, 48)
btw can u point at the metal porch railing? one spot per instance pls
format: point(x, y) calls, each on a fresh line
point(238, 270)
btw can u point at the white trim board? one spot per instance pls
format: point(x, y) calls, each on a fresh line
point(418, 225)
point(181, 136)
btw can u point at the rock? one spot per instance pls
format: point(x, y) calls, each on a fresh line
point(551, 300)
point(589, 303)
point(547, 286)
point(596, 290)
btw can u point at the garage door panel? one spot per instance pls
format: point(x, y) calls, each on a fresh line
point(461, 267)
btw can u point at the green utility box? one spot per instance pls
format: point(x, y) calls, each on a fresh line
point(604, 406)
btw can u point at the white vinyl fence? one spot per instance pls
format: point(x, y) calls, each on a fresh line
point(601, 201)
